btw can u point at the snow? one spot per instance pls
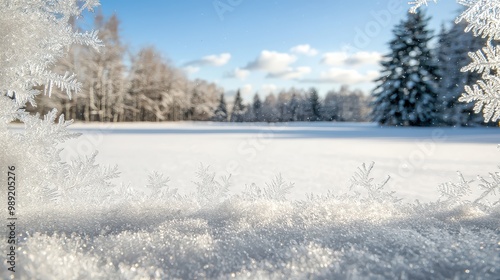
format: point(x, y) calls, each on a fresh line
point(317, 157)
point(336, 235)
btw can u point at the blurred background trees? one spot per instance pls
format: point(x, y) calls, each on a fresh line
point(120, 86)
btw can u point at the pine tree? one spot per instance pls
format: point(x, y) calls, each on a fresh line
point(220, 114)
point(257, 108)
point(294, 107)
point(314, 110)
point(454, 44)
point(406, 94)
point(238, 109)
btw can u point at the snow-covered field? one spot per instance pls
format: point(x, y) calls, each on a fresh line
point(252, 232)
point(316, 157)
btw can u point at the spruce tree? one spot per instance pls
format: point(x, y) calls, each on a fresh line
point(454, 45)
point(257, 108)
point(294, 107)
point(314, 106)
point(238, 109)
point(406, 91)
point(220, 114)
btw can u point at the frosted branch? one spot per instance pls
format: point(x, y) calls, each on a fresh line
point(417, 4)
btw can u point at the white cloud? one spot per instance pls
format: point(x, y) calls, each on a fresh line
point(266, 89)
point(345, 76)
point(211, 60)
point(334, 58)
point(291, 73)
point(191, 69)
point(271, 62)
point(364, 58)
point(238, 73)
point(355, 59)
point(305, 49)
point(246, 91)
point(277, 65)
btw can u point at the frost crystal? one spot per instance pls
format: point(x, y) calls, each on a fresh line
point(454, 192)
point(276, 190)
point(158, 184)
point(482, 18)
point(210, 191)
point(34, 35)
point(375, 192)
point(417, 3)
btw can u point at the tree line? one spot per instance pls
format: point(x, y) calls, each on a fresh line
point(150, 88)
point(298, 105)
point(145, 88)
point(419, 85)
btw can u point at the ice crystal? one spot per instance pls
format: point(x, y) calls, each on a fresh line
point(158, 185)
point(276, 190)
point(455, 192)
point(362, 182)
point(490, 187)
point(156, 181)
point(485, 60)
point(417, 4)
point(210, 191)
point(482, 18)
point(486, 94)
point(34, 35)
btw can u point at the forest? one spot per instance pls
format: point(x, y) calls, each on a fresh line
point(120, 86)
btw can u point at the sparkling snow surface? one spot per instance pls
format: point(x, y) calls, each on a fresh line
point(134, 235)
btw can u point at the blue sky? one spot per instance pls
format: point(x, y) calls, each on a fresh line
point(263, 46)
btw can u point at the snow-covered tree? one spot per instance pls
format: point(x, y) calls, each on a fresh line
point(406, 91)
point(454, 44)
point(105, 85)
point(269, 109)
point(283, 103)
point(196, 111)
point(203, 101)
point(238, 109)
point(220, 114)
point(345, 105)
point(157, 91)
point(257, 108)
point(331, 106)
point(294, 106)
point(146, 74)
point(313, 106)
